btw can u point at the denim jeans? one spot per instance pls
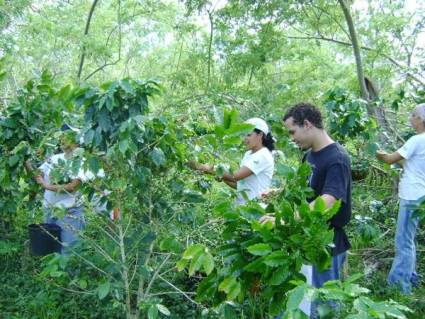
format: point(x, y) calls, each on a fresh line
point(403, 270)
point(319, 278)
point(71, 224)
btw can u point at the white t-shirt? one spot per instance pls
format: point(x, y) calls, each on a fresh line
point(62, 199)
point(261, 164)
point(412, 183)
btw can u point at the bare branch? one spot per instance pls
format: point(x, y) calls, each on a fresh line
point(107, 41)
point(390, 59)
point(155, 275)
point(179, 290)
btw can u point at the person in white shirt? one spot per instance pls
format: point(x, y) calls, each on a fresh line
point(255, 174)
point(411, 194)
point(60, 186)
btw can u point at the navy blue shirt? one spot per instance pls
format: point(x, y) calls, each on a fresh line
point(331, 174)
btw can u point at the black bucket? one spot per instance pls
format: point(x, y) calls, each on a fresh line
point(44, 239)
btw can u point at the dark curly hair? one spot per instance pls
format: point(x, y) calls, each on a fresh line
point(304, 111)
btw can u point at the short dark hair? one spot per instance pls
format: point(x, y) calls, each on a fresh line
point(304, 111)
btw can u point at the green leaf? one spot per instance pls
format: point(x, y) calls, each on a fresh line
point(171, 244)
point(13, 160)
point(191, 251)
point(2, 75)
point(296, 295)
point(181, 264)
point(123, 146)
point(64, 92)
point(229, 312)
point(284, 170)
point(371, 148)
point(46, 76)
point(259, 249)
point(164, 310)
point(207, 287)
point(208, 263)
point(103, 290)
point(104, 120)
point(353, 278)
point(276, 258)
point(126, 85)
point(255, 266)
point(82, 283)
point(231, 287)
point(110, 102)
point(197, 262)
point(88, 136)
point(279, 276)
point(223, 207)
point(94, 165)
point(239, 129)
point(158, 156)
point(319, 204)
point(153, 312)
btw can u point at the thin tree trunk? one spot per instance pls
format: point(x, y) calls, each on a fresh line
point(86, 31)
point(173, 83)
point(356, 49)
point(124, 272)
point(119, 45)
point(210, 50)
point(367, 88)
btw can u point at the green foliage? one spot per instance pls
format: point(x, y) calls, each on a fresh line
point(230, 131)
point(114, 110)
point(350, 301)
point(348, 118)
point(254, 252)
point(265, 56)
point(26, 127)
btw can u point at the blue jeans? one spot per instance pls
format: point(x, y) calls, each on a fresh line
point(319, 278)
point(71, 224)
point(403, 270)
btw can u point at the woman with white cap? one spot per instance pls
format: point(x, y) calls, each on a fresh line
point(411, 194)
point(256, 169)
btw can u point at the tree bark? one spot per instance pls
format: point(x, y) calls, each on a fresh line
point(86, 31)
point(356, 49)
point(210, 50)
point(368, 89)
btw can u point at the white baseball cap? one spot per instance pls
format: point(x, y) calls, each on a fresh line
point(259, 124)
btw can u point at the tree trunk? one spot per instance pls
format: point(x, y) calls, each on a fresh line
point(356, 49)
point(210, 51)
point(86, 31)
point(368, 90)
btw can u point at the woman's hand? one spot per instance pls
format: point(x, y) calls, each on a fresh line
point(205, 168)
point(40, 180)
point(270, 193)
point(380, 155)
point(28, 166)
point(266, 218)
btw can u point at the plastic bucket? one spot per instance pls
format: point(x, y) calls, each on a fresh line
point(44, 239)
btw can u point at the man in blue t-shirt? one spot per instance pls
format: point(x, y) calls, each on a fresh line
point(330, 179)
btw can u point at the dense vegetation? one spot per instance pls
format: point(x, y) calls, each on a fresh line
point(155, 84)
